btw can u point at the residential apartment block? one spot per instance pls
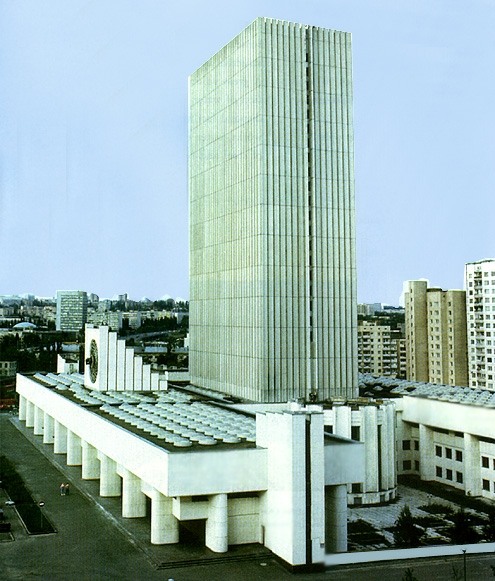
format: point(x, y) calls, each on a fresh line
point(480, 288)
point(436, 342)
point(380, 349)
point(72, 310)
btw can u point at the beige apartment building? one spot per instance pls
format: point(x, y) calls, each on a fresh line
point(380, 349)
point(436, 339)
point(480, 307)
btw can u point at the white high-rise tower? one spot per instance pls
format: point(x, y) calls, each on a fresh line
point(272, 242)
point(480, 302)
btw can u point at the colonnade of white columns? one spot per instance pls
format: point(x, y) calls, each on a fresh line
point(115, 480)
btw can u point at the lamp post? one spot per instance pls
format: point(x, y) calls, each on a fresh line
point(41, 504)
point(464, 563)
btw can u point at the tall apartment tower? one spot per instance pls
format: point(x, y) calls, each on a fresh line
point(72, 310)
point(272, 243)
point(436, 343)
point(480, 288)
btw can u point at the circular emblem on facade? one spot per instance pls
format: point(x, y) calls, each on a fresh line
point(93, 361)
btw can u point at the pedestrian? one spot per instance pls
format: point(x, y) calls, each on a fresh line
point(66, 491)
point(62, 489)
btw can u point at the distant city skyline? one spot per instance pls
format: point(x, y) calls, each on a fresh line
point(93, 139)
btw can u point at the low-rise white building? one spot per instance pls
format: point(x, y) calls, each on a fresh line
point(274, 477)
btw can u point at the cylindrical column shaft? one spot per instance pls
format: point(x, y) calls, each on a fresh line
point(90, 462)
point(164, 525)
point(133, 500)
point(48, 432)
point(60, 438)
point(29, 414)
point(110, 482)
point(74, 452)
point(22, 408)
point(336, 519)
point(38, 421)
point(216, 524)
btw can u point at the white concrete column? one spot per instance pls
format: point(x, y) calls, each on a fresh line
point(60, 438)
point(22, 408)
point(90, 462)
point(74, 452)
point(342, 425)
point(388, 466)
point(38, 421)
point(369, 435)
point(110, 482)
point(216, 524)
point(426, 453)
point(29, 414)
point(164, 525)
point(133, 500)
point(336, 519)
point(472, 465)
point(47, 429)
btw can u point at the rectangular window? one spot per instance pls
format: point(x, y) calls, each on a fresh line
point(416, 465)
point(406, 444)
point(448, 453)
point(458, 455)
point(438, 451)
point(355, 433)
point(485, 484)
point(416, 444)
point(406, 465)
point(448, 474)
point(485, 462)
point(438, 471)
point(458, 477)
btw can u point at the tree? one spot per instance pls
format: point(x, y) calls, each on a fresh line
point(408, 575)
point(462, 531)
point(489, 528)
point(407, 533)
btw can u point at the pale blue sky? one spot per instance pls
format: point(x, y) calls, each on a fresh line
point(93, 138)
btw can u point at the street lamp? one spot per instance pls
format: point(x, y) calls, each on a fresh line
point(464, 559)
point(41, 504)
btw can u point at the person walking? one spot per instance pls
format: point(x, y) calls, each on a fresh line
point(67, 488)
point(62, 489)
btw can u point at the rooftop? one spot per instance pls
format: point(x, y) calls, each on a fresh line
point(448, 393)
point(173, 419)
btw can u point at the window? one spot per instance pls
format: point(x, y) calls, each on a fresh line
point(458, 477)
point(448, 474)
point(416, 444)
point(485, 462)
point(458, 455)
point(416, 465)
point(406, 444)
point(406, 465)
point(438, 471)
point(438, 451)
point(448, 453)
point(485, 484)
point(355, 433)
point(356, 488)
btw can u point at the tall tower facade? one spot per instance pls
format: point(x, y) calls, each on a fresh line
point(436, 343)
point(480, 288)
point(272, 237)
point(72, 310)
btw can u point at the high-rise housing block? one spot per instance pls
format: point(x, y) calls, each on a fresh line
point(436, 343)
point(480, 288)
point(72, 310)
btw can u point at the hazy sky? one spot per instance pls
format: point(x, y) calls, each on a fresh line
point(93, 138)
